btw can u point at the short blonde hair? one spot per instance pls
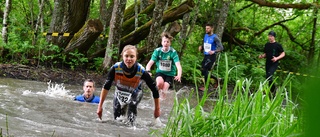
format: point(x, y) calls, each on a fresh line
point(127, 47)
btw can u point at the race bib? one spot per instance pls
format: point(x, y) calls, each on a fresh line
point(207, 47)
point(123, 97)
point(165, 65)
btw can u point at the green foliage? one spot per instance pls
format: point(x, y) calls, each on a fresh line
point(240, 114)
point(97, 64)
point(143, 18)
point(76, 59)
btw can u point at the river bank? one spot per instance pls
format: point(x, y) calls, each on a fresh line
point(67, 76)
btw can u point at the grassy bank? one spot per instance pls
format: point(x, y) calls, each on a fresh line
point(242, 113)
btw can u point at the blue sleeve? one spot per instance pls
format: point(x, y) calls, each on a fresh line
point(96, 100)
point(79, 98)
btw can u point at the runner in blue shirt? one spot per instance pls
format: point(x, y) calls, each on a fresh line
point(211, 46)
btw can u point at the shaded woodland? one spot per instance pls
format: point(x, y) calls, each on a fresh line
point(93, 33)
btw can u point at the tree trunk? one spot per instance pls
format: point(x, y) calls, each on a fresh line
point(5, 22)
point(185, 33)
point(143, 4)
point(115, 28)
point(153, 37)
point(68, 17)
point(57, 19)
point(74, 18)
point(85, 37)
point(142, 32)
point(103, 12)
point(136, 12)
point(221, 17)
point(39, 21)
point(313, 40)
point(109, 10)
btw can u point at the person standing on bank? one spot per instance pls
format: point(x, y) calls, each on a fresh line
point(88, 90)
point(165, 57)
point(210, 47)
point(127, 76)
point(273, 52)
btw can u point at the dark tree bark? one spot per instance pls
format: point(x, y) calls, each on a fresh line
point(220, 16)
point(74, 14)
point(143, 4)
point(86, 36)
point(109, 11)
point(313, 40)
point(115, 28)
point(74, 18)
point(103, 12)
point(57, 19)
point(153, 37)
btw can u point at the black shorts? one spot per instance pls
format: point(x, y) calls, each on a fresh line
point(166, 78)
point(208, 61)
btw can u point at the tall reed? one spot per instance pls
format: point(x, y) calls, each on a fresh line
point(243, 113)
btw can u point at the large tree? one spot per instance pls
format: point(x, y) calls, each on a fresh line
point(155, 29)
point(68, 17)
point(114, 33)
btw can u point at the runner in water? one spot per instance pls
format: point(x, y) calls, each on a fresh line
point(273, 52)
point(210, 47)
point(127, 76)
point(88, 96)
point(167, 61)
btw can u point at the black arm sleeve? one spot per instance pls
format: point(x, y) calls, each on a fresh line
point(151, 84)
point(110, 78)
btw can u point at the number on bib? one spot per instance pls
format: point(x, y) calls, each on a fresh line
point(165, 65)
point(123, 97)
point(207, 47)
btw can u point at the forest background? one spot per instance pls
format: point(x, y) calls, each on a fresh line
point(90, 34)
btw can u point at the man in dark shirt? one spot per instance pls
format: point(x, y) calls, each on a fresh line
point(273, 52)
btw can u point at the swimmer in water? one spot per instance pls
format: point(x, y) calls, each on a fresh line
point(88, 90)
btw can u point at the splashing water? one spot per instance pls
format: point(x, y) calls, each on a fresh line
point(57, 91)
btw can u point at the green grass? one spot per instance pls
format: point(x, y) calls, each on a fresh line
point(243, 113)
point(7, 129)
